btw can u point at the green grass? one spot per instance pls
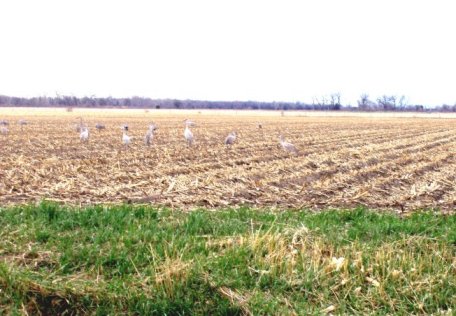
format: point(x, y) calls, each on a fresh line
point(141, 260)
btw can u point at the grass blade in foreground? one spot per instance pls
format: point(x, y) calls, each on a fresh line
point(140, 260)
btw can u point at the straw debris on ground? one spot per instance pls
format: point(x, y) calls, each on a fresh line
point(380, 162)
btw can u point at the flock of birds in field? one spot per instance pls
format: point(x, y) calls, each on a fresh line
point(84, 134)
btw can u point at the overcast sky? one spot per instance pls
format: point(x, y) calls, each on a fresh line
point(229, 50)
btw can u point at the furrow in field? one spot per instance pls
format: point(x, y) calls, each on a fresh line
point(382, 186)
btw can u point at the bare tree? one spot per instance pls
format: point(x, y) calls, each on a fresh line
point(335, 101)
point(365, 104)
point(387, 103)
point(402, 103)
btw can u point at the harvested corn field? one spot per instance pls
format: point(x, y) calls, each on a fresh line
point(400, 163)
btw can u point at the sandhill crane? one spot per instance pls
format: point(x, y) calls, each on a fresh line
point(4, 130)
point(287, 146)
point(229, 140)
point(22, 122)
point(126, 140)
point(149, 137)
point(187, 132)
point(189, 122)
point(4, 122)
point(150, 134)
point(99, 126)
point(84, 136)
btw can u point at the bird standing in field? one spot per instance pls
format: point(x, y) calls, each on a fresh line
point(150, 134)
point(3, 127)
point(229, 140)
point(187, 132)
point(287, 146)
point(189, 122)
point(100, 126)
point(84, 136)
point(126, 140)
point(22, 122)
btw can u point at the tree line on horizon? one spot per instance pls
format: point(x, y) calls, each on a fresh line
point(328, 103)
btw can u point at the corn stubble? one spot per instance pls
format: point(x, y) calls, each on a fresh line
point(384, 163)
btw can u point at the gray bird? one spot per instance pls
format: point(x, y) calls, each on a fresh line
point(229, 140)
point(22, 122)
point(126, 140)
point(84, 135)
point(150, 134)
point(4, 130)
point(100, 126)
point(287, 146)
point(189, 122)
point(188, 133)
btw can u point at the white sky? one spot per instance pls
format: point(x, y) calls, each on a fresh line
point(229, 50)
